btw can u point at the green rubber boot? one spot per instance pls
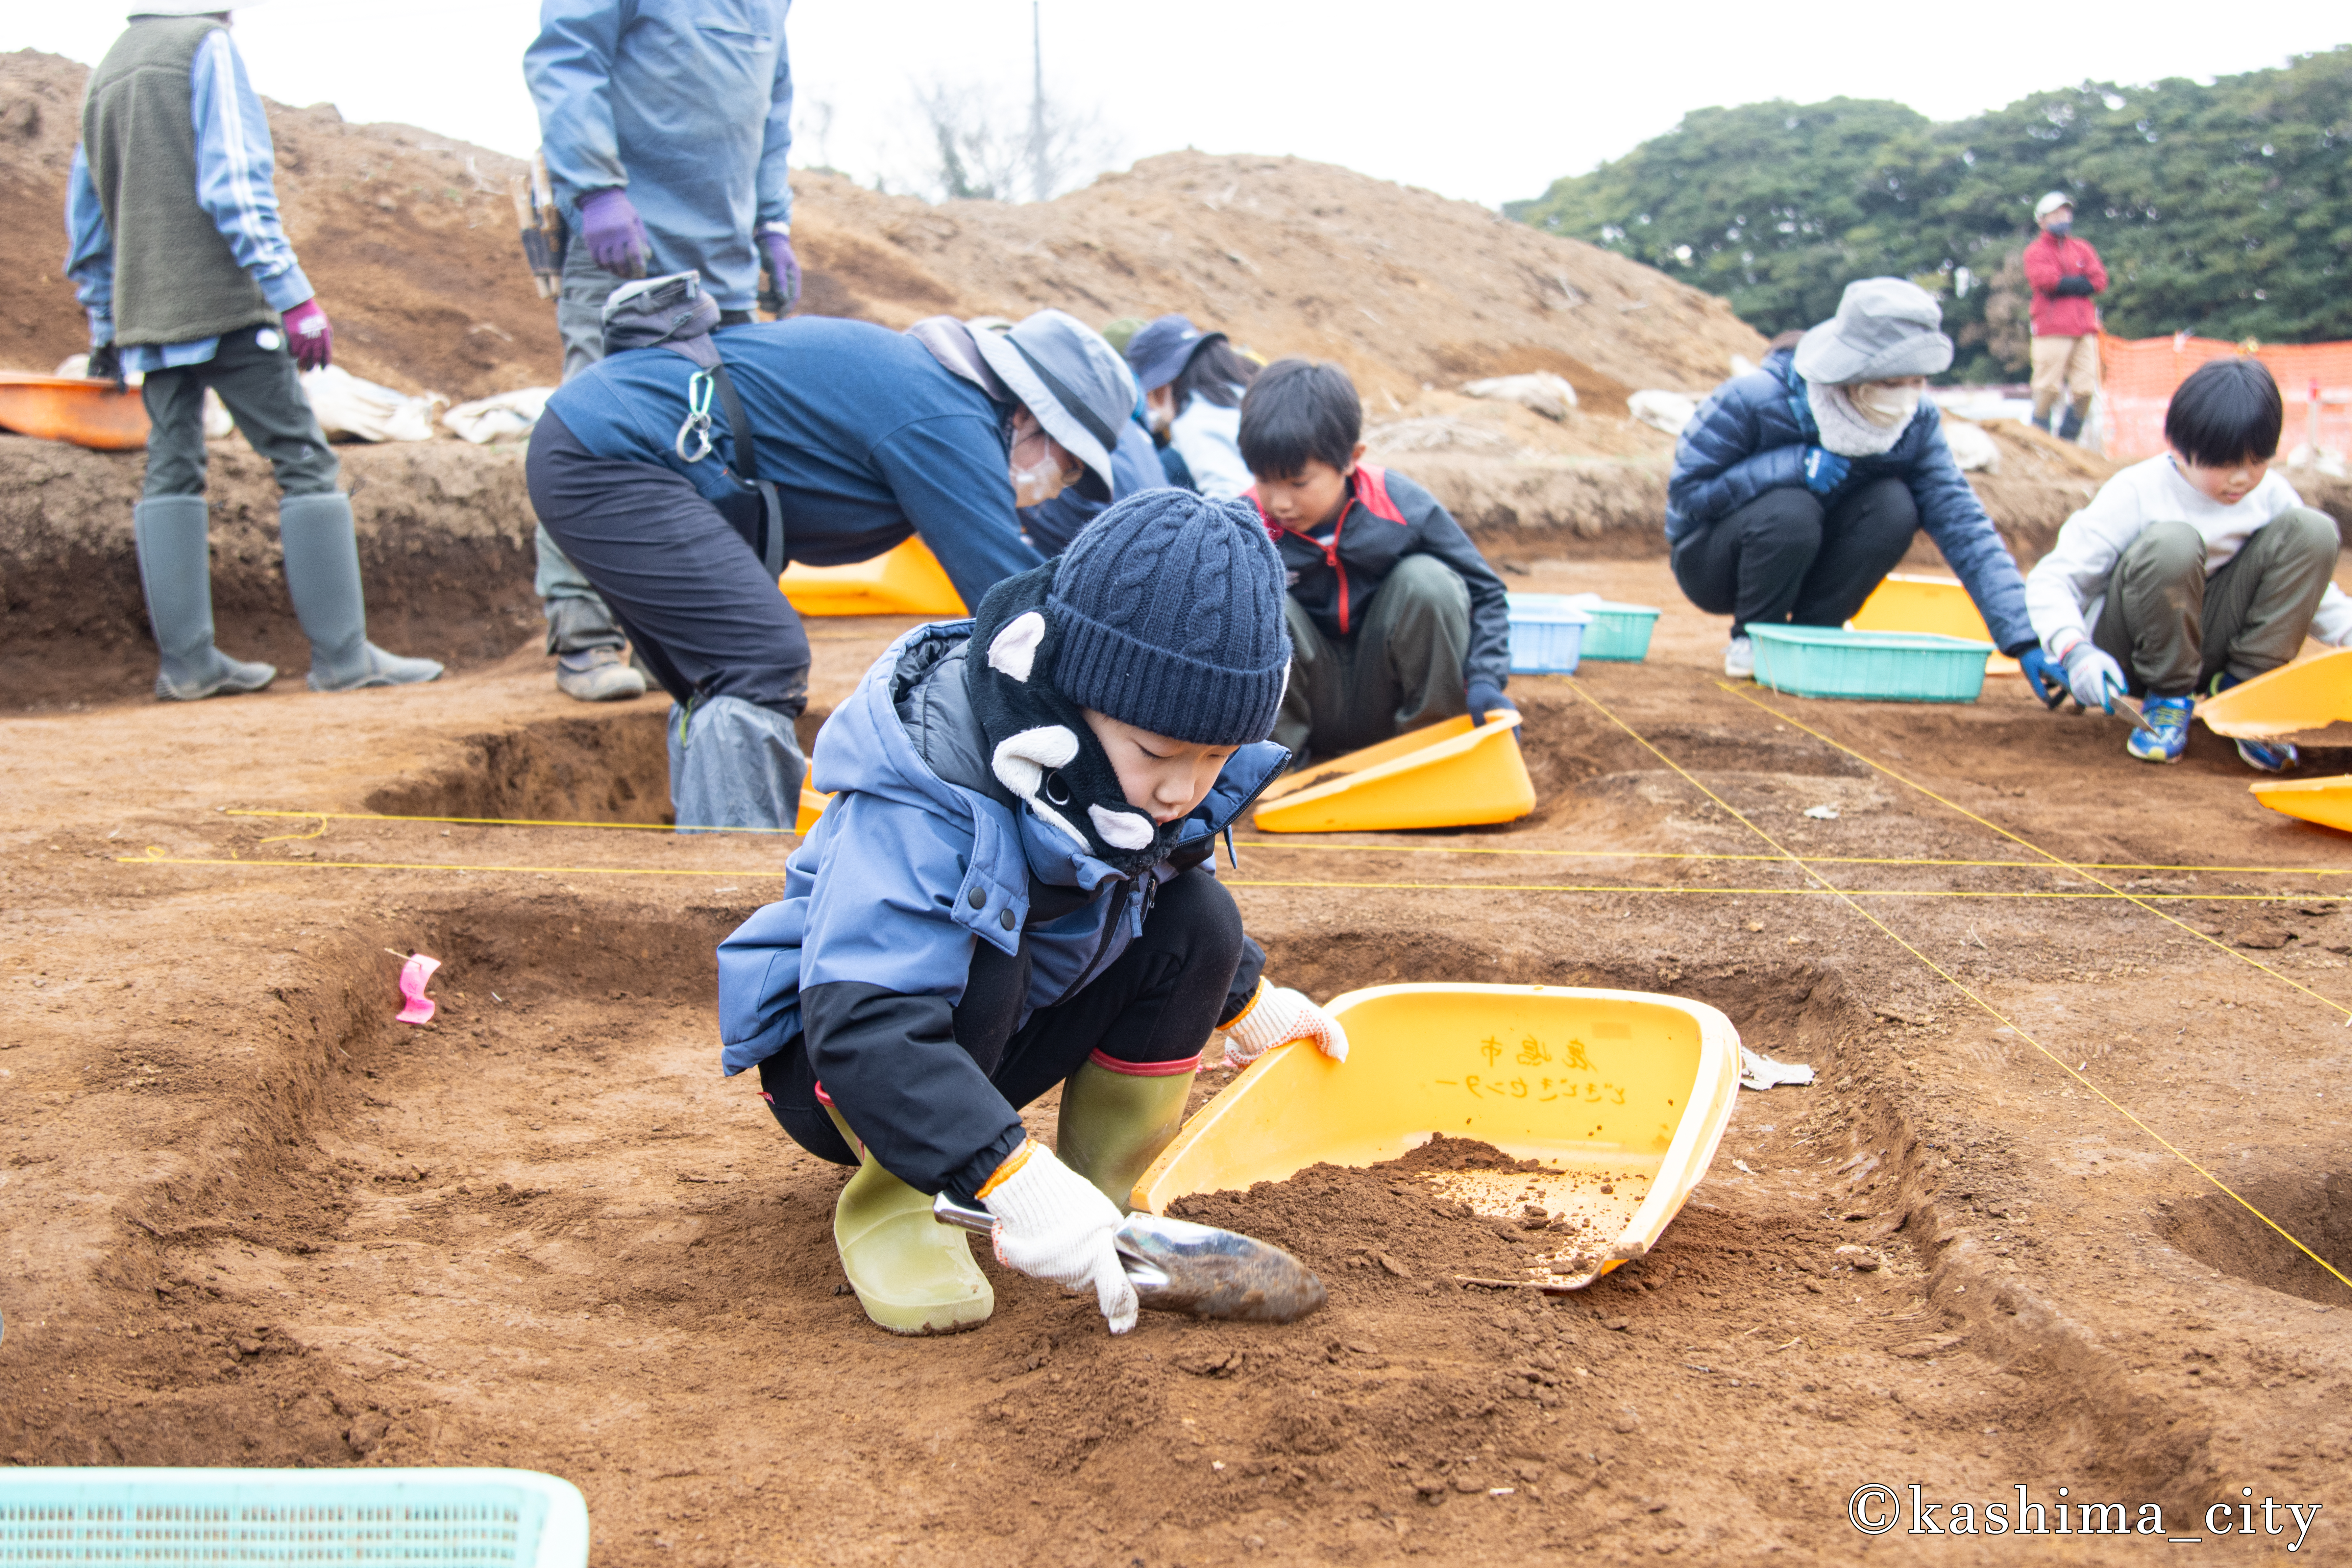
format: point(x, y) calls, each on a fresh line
point(1114, 1124)
point(912, 1274)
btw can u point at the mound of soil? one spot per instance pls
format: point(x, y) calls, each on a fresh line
point(410, 238)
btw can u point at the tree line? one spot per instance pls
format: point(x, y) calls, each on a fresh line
point(2223, 210)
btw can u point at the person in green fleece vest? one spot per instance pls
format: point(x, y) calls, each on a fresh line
point(181, 262)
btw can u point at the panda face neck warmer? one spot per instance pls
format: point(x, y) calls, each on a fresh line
point(1039, 745)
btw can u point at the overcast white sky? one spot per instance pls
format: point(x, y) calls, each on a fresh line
point(1487, 99)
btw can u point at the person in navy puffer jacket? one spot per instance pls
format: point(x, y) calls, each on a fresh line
point(1798, 487)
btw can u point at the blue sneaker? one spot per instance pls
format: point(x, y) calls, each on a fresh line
point(2169, 736)
point(2269, 756)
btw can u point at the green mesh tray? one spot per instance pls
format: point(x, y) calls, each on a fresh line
point(243, 1519)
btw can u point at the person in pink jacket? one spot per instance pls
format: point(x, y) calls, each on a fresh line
point(2064, 272)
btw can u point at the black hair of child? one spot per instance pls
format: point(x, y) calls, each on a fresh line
point(1215, 372)
point(1300, 410)
point(2228, 411)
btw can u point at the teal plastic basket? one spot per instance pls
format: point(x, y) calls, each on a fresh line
point(243, 1519)
point(1610, 631)
point(1619, 631)
point(1876, 666)
point(1545, 635)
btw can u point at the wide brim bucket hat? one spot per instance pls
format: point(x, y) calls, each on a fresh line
point(1884, 328)
point(1075, 383)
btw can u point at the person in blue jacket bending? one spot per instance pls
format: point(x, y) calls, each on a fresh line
point(1014, 887)
point(867, 435)
point(665, 125)
point(1799, 486)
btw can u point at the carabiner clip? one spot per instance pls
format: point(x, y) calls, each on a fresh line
point(697, 419)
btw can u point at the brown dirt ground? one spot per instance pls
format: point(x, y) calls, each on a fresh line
point(244, 1217)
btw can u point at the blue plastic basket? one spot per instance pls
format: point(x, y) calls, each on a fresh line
point(1878, 666)
point(1545, 635)
point(243, 1519)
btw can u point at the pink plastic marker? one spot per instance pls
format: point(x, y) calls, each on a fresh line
point(412, 977)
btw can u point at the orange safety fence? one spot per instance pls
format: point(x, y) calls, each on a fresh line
point(2141, 374)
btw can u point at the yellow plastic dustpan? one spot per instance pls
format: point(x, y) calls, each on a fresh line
point(2327, 801)
point(906, 580)
point(813, 805)
point(1451, 775)
point(1621, 1088)
point(1904, 603)
point(2309, 694)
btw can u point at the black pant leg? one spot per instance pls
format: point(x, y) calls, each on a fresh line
point(1751, 562)
point(788, 1083)
point(1157, 1002)
point(685, 581)
point(1863, 537)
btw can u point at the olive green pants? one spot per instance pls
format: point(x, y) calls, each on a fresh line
point(1397, 669)
point(2173, 628)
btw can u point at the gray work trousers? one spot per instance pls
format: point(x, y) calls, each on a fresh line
point(586, 621)
point(2173, 628)
point(263, 392)
point(1397, 669)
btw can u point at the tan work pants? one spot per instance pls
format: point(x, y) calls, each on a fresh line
point(2070, 365)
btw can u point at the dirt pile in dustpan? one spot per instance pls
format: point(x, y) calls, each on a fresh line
point(1453, 1209)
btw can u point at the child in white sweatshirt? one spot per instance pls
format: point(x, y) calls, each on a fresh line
point(2194, 571)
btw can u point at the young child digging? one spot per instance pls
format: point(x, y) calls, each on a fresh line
point(1397, 621)
point(2194, 571)
point(1012, 888)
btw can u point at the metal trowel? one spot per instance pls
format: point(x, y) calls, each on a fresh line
point(1176, 1266)
point(2123, 709)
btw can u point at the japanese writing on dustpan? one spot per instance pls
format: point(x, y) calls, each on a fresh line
point(1558, 1069)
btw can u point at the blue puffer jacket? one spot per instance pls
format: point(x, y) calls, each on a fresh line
point(920, 856)
point(1750, 435)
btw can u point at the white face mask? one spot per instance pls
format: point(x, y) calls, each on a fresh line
point(1036, 483)
point(1888, 407)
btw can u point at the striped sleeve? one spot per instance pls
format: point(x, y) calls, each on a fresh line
point(236, 171)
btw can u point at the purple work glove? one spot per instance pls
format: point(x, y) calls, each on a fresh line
point(308, 335)
point(783, 272)
point(615, 235)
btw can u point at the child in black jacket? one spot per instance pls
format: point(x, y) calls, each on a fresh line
point(1396, 621)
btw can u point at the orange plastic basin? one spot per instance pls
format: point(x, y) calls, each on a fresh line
point(72, 408)
point(2309, 694)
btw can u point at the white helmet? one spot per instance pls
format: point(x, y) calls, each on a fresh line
point(2051, 204)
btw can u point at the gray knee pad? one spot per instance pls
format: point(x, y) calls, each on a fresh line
point(733, 763)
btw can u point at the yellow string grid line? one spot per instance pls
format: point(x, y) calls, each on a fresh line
point(1955, 981)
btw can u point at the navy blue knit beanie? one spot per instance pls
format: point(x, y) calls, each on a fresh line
point(1170, 610)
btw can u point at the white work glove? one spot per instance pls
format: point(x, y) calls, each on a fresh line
point(2089, 672)
point(1053, 1224)
point(1275, 1017)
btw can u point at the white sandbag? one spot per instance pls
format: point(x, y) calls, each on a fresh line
point(1667, 411)
point(217, 423)
point(1973, 448)
point(507, 416)
point(346, 405)
point(1541, 391)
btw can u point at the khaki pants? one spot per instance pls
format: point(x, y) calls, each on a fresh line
point(2173, 628)
point(2070, 365)
point(1397, 669)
